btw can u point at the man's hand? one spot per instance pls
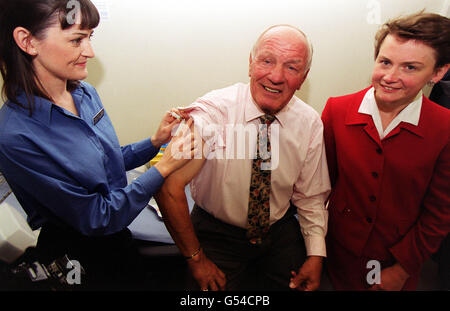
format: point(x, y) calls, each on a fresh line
point(206, 273)
point(392, 279)
point(308, 277)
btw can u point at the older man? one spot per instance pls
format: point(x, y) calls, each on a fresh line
point(243, 233)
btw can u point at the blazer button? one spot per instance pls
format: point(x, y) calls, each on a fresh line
point(372, 198)
point(375, 174)
point(369, 220)
point(379, 150)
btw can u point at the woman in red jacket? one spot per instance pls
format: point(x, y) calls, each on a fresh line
point(388, 150)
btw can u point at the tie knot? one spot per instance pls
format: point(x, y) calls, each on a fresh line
point(267, 119)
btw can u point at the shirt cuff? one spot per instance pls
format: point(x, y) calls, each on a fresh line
point(145, 150)
point(147, 145)
point(151, 180)
point(315, 246)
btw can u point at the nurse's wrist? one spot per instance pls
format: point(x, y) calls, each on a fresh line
point(156, 142)
point(162, 169)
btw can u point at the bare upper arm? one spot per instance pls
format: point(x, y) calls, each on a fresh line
point(184, 175)
point(174, 185)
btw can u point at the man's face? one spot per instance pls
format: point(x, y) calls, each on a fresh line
point(277, 70)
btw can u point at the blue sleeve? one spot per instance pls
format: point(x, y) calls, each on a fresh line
point(46, 189)
point(137, 154)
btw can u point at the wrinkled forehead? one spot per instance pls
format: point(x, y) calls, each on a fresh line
point(293, 48)
point(282, 39)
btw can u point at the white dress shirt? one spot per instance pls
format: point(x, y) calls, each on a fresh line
point(299, 166)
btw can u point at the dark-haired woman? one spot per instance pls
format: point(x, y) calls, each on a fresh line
point(388, 150)
point(59, 151)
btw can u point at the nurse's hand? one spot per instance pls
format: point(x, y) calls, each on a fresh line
point(180, 150)
point(170, 120)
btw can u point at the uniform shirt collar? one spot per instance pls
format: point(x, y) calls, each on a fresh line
point(43, 108)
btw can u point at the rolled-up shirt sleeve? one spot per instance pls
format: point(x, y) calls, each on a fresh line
point(208, 121)
point(310, 194)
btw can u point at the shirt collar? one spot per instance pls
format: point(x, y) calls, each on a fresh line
point(410, 114)
point(43, 107)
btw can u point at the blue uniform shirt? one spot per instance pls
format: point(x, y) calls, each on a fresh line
point(71, 170)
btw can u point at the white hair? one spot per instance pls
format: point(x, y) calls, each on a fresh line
point(308, 43)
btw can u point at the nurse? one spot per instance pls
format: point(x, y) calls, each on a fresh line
point(388, 150)
point(59, 151)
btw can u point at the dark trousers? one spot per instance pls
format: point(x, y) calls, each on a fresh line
point(111, 262)
point(266, 266)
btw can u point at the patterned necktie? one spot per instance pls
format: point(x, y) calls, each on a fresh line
point(259, 199)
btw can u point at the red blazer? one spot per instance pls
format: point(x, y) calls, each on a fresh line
point(390, 198)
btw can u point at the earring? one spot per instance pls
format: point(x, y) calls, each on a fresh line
point(431, 83)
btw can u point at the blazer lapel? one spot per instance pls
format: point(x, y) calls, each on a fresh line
point(354, 118)
point(418, 130)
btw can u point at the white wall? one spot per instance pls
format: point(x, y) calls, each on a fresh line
point(152, 55)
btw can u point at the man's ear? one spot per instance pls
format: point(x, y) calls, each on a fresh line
point(250, 65)
point(303, 79)
point(25, 41)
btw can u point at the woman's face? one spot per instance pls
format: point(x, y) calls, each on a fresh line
point(63, 54)
point(402, 69)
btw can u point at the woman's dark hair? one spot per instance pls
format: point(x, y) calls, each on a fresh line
point(428, 28)
point(36, 16)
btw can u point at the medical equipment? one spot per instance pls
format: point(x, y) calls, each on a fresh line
point(15, 233)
